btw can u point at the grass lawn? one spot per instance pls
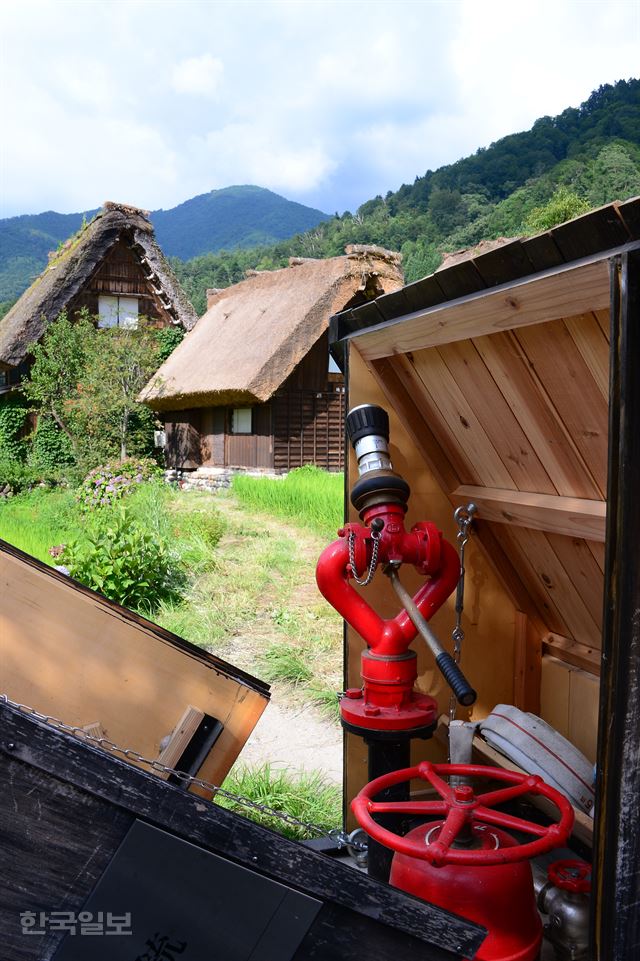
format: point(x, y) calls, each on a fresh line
point(246, 592)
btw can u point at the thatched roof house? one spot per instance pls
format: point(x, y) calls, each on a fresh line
point(262, 346)
point(113, 267)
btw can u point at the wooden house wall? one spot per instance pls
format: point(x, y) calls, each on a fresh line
point(308, 414)
point(302, 424)
point(120, 273)
point(183, 438)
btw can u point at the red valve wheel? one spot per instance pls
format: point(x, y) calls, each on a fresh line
point(571, 876)
point(461, 809)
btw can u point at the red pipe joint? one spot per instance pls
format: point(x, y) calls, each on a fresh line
point(388, 700)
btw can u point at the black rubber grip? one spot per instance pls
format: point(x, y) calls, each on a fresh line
point(367, 419)
point(456, 680)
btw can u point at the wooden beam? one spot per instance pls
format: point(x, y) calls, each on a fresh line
point(527, 665)
point(567, 292)
point(571, 652)
point(180, 738)
point(572, 516)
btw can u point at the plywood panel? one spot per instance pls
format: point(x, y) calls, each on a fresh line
point(549, 438)
point(584, 694)
point(554, 694)
point(566, 379)
point(71, 653)
point(496, 417)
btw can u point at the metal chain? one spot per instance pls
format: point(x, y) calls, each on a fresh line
point(463, 517)
point(363, 581)
point(341, 838)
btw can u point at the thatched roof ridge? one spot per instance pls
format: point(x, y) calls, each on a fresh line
point(72, 267)
point(255, 333)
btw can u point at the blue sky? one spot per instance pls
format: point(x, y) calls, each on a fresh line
point(150, 102)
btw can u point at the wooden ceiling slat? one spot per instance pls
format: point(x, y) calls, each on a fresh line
point(454, 454)
point(576, 558)
point(604, 320)
point(516, 553)
point(485, 399)
point(571, 389)
point(598, 550)
point(594, 349)
point(509, 368)
point(461, 426)
point(535, 552)
point(412, 417)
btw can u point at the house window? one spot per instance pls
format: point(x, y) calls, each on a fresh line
point(241, 420)
point(114, 311)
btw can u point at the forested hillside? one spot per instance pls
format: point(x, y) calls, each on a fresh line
point(564, 165)
point(222, 219)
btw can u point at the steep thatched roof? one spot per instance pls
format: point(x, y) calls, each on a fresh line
point(255, 333)
point(69, 271)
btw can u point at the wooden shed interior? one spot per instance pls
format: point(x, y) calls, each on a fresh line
point(499, 395)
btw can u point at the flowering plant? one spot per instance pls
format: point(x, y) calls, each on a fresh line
point(106, 484)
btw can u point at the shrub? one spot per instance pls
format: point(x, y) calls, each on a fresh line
point(13, 414)
point(50, 450)
point(123, 561)
point(105, 485)
point(16, 476)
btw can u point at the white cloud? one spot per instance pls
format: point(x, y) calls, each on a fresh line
point(198, 75)
point(253, 153)
point(330, 102)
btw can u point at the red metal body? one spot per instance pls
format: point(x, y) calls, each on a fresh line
point(388, 700)
point(466, 863)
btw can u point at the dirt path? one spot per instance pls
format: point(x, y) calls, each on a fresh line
point(292, 732)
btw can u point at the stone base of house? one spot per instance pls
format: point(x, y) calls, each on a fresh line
point(214, 478)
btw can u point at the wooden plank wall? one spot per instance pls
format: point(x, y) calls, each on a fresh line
point(490, 614)
point(308, 428)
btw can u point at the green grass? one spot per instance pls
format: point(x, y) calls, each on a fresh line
point(306, 796)
point(38, 520)
point(308, 496)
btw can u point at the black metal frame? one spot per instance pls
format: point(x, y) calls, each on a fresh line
point(615, 922)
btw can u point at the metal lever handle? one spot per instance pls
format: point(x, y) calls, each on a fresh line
point(451, 672)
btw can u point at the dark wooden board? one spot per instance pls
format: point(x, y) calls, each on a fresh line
point(504, 264)
point(594, 231)
point(460, 280)
point(99, 784)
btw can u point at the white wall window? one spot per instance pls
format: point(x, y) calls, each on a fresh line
point(241, 420)
point(115, 311)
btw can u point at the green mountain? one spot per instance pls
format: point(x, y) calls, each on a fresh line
point(222, 219)
point(231, 218)
point(564, 165)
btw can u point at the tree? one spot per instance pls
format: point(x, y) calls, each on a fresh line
point(563, 206)
point(88, 380)
point(59, 363)
point(118, 365)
